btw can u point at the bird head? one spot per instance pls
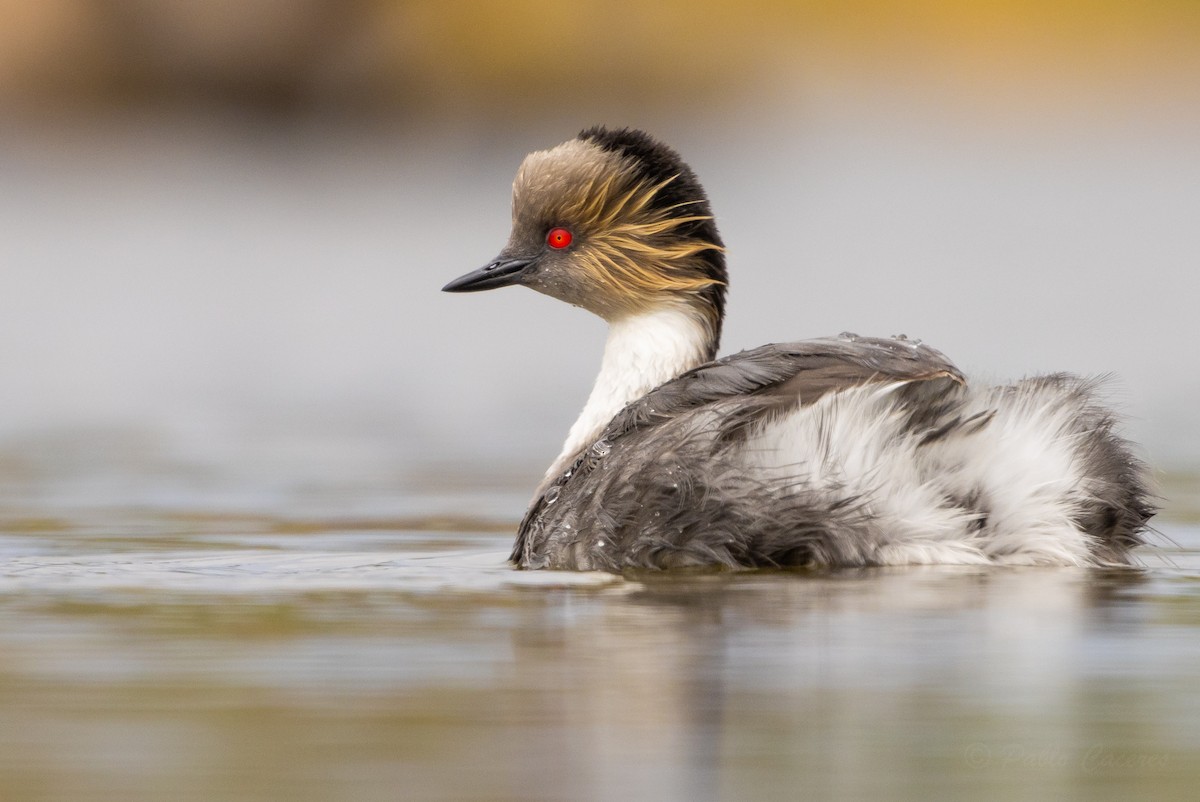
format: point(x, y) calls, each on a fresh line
point(615, 222)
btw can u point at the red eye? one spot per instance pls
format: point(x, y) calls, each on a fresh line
point(558, 238)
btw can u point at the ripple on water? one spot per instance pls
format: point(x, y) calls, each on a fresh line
point(413, 545)
point(256, 571)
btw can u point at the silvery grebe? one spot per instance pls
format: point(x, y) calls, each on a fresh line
point(843, 451)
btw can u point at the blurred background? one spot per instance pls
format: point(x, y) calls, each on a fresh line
point(224, 225)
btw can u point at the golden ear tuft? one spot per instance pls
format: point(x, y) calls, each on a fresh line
point(634, 253)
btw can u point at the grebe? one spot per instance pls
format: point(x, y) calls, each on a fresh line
point(835, 452)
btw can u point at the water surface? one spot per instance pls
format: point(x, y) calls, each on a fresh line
point(301, 642)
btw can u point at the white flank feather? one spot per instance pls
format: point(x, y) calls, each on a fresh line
point(853, 444)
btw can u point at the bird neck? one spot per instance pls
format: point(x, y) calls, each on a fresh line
point(643, 351)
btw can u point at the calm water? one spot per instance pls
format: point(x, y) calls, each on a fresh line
point(179, 634)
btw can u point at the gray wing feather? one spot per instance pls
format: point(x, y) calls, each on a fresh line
point(791, 372)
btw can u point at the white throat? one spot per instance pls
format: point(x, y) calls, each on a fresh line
point(642, 352)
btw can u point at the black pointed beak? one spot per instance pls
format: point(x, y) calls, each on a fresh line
point(500, 273)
